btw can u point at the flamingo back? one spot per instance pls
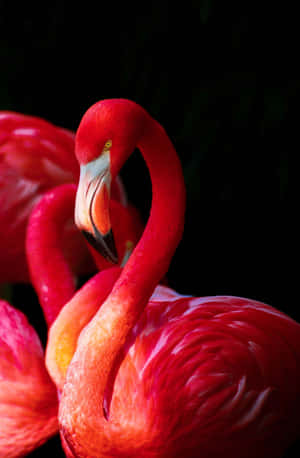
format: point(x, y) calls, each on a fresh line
point(206, 377)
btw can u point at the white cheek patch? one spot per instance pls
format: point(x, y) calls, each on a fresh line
point(91, 175)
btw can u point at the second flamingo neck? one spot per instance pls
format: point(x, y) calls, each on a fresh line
point(50, 273)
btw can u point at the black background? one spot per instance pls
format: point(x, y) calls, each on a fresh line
point(220, 77)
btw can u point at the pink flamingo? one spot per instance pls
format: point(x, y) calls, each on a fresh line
point(174, 376)
point(35, 156)
point(28, 397)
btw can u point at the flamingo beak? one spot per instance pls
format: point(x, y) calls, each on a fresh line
point(92, 206)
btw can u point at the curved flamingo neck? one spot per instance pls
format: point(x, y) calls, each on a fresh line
point(151, 258)
point(50, 273)
point(103, 338)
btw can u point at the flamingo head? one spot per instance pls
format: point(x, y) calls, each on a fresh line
point(107, 134)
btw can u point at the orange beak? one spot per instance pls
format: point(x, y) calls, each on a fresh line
point(92, 206)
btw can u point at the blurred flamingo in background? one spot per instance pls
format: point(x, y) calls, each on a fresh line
point(28, 399)
point(35, 156)
point(179, 376)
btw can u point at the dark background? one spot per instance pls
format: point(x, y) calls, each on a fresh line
point(220, 78)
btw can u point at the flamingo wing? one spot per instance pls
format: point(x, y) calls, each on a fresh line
point(219, 356)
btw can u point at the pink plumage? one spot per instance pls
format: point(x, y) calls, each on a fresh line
point(28, 399)
point(215, 365)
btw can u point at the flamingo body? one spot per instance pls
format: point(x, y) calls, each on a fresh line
point(202, 377)
point(28, 399)
point(207, 365)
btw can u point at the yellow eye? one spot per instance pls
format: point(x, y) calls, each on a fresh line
point(107, 145)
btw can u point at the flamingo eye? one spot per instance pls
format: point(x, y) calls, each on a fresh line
point(107, 145)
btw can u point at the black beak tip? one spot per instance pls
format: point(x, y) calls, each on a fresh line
point(105, 245)
point(109, 242)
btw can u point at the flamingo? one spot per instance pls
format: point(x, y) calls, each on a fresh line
point(167, 375)
point(28, 397)
point(36, 156)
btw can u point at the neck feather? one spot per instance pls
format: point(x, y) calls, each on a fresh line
point(50, 273)
point(103, 338)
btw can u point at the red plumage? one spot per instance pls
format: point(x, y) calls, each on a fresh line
point(28, 399)
point(173, 376)
point(207, 377)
